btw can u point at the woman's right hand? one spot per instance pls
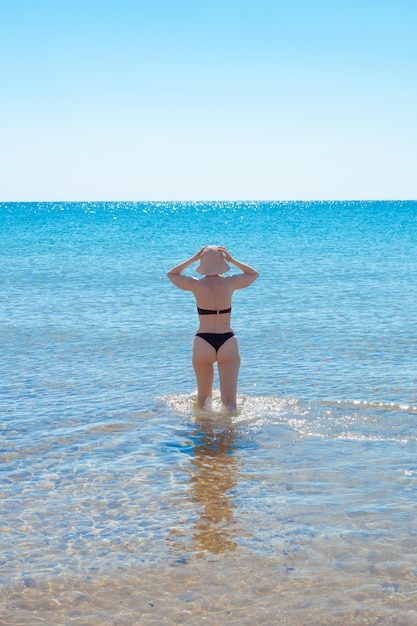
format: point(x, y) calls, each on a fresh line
point(199, 254)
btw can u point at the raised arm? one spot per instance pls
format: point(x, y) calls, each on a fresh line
point(248, 276)
point(175, 274)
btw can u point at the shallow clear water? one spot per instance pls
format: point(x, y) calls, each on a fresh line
point(123, 504)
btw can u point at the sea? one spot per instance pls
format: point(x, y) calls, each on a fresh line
point(124, 504)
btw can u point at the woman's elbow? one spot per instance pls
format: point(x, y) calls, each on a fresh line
point(170, 277)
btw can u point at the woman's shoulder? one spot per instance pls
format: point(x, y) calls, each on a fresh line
point(240, 281)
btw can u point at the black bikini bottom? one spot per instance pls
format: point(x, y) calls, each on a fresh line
point(216, 339)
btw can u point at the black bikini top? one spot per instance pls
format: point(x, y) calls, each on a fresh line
point(210, 312)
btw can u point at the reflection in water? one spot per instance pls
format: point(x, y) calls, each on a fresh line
point(213, 475)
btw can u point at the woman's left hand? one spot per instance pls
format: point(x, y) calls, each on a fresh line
point(226, 254)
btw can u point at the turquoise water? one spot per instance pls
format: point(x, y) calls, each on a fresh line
point(122, 504)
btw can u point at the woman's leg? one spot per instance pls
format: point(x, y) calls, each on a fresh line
point(204, 355)
point(228, 360)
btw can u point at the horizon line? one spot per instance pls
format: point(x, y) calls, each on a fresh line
point(208, 201)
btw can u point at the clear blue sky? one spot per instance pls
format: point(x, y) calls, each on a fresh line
point(208, 99)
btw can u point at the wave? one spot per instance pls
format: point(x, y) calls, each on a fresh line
point(360, 420)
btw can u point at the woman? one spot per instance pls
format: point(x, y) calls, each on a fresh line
point(215, 340)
